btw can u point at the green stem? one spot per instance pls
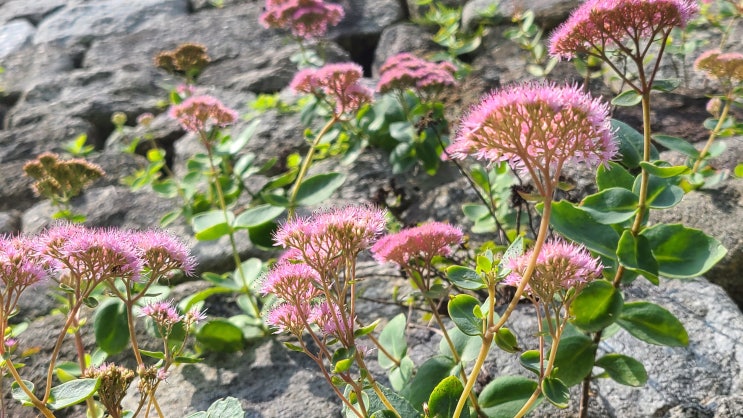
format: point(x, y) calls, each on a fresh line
point(306, 164)
point(231, 234)
point(34, 400)
point(714, 133)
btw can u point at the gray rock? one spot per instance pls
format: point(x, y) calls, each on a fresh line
point(15, 188)
point(546, 13)
point(15, 35)
point(365, 18)
point(42, 132)
point(87, 21)
point(10, 222)
point(34, 65)
point(33, 11)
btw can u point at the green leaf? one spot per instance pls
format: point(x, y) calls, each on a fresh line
point(233, 146)
point(220, 335)
point(392, 338)
point(467, 346)
point(516, 249)
point(664, 172)
point(444, 398)
point(677, 144)
point(683, 252)
point(738, 170)
point(18, 394)
point(211, 225)
point(386, 413)
point(418, 390)
point(653, 324)
point(153, 354)
point(475, 212)
point(596, 307)
point(506, 340)
point(667, 85)
point(71, 393)
point(556, 392)
point(262, 235)
point(318, 188)
point(627, 98)
point(464, 278)
point(577, 225)
point(366, 330)
point(257, 216)
point(461, 311)
point(630, 143)
point(530, 361)
point(662, 194)
point(623, 369)
point(374, 404)
point(611, 206)
point(613, 176)
point(403, 131)
point(574, 359)
point(635, 254)
point(399, 376)
point(506, 395)
point(111, 327)
point(170, 217)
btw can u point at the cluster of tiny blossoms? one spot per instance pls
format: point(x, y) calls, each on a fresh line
point(422, 242)
point(307, 19)
point(726, 67)
point(337, 83)
point(311, 281)
point(600, 24)
point(560, 266)
point(405, 70)
point(537, 128)
point(199, 113)
point(165, 315)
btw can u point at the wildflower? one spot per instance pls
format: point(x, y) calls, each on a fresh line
point(193, 317)
point(405, 70)
point(163, 313)
point(306, 19)
point(145, 119)
point(291, 282)
point(114, 383)
point(714, 106)
point(162, 252)
point(149, 378)
point(537, 128)
point(287, 317)
point(96, 255)
point(198, 113)
point(325, 235)
point(727, 67)
point(424, 242)
point(598, 24)
point(60, 180)
point(188, 59)
point(337, 83)
point(20, 269)
point(331, 320)
point(559, 266)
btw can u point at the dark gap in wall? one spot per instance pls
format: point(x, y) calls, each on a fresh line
point(361, 48)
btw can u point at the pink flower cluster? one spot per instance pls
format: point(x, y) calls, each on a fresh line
point(405, 70)
point(306, 19)
point(306, 279)
point(337, 83)
point(199, 113)
point(422, 242)
point(726, 67)
point(537, 128)
point(598, 24)
point(560, 266)
point(165, 315)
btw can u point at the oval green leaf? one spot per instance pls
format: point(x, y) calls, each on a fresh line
point(662, 194)
point(506, 395)
point(574, 359)
point(664, 172)
point(212, 225)
point(418, 390)
point(613, 175)
point(444, 398)
point(220, 335)
point(461, 311)
point(623, 369)
point(316, 189)
point(627, 98)
point(596, 307)
point(579, 226)
point(464, 278)
point(71, 393)
point(257, 216)
point(677, 144)
point(111, 327)
point(653, 324)
point(392, 338)
point(556, 392)
point(683, 252)
point(635, 254)
point(611, 206)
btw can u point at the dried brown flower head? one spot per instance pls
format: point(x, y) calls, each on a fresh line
point(187, 59)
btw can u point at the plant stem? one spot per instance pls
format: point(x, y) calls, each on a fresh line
point(231, 234)
point(34, 400)
point(306, 164)
point(714, 133)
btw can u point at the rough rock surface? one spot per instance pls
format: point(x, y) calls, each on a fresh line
point(70, 64)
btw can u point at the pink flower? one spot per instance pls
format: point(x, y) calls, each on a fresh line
point(194, 316)
point(291, 282)
point(100, 254)
point(337, 83)
point(289, 318)
point(425, 242)
point(325, 236)
point(598, 24)
point(560, 266)
point(163, 313)
point(162, 252)
point(200, 113)
point(332, 321)
point(306, 19)
point(20, 268)
point(537, 128)
point(405, 70)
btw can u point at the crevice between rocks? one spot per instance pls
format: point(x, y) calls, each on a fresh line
point(361, 49)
